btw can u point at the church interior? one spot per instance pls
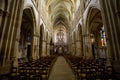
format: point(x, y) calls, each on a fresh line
point(59, 39)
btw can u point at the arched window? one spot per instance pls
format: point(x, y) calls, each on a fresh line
point(92, 38)
point(102, 37)
point(60, 36)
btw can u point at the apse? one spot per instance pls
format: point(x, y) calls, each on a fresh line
point(60, 35)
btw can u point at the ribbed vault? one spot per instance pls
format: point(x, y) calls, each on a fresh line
point(61, 10)
point(61, 13)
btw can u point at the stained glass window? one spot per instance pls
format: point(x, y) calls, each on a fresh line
point(102, 37)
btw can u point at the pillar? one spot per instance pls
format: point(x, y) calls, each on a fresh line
point(44, 48)
point(4, 26)
point(78, 48)
point(84, 49)
point(73, 49)
point(112, 29)
point(78, 44)
point(2, 7)
point(69, 42)
point(14, 34)
point(10, 34)
point(48, 49)
point(97, 43)
point(4, 18)
point(88, 47)
point(35, 47)
point(1, 18)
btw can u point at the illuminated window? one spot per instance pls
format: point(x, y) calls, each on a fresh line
point(60, 36)
point(92, 38)
point(102, 37)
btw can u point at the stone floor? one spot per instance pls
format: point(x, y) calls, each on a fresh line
point(61, 70)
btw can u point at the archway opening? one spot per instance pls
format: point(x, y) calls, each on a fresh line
point(97, 34)
point(26, 36)
point(60, 39)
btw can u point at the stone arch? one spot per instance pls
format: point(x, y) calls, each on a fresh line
point(89, 16)
point(34, 19)
point(94, 25)
point(29, 4)
point(27, 43)
point(80, 40)
point(88, 11)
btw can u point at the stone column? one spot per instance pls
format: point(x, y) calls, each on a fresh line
point(48, 49)
point(88, 50)
point(112, 29)
point(15, 54)
point(8, 20)
point(15, 34)
point(78, 44)
point(14, 30)
point(70, 48)
point(97, 43)
point(38, 56)
point(73, 49)
point(69, 42)
point(1, 18)
point(6, 31)
point(51, 49)
point(34, 48)
point(37, 48)
point(90, 47)
point(44, 48)
point(2, 46)
point(5, 28)
point(78, 48)
point(2, 7)
point(84, 53)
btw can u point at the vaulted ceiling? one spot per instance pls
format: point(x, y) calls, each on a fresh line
point(62, 10)
point(61, 13)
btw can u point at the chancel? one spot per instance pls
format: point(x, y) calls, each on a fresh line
point(59, 39)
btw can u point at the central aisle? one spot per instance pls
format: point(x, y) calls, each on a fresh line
point(61, 70)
